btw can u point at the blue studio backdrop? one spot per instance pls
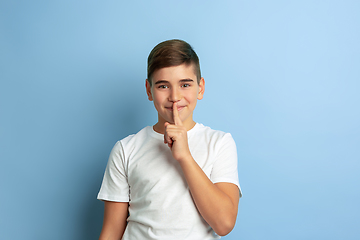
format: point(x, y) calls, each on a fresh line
point(281, 76)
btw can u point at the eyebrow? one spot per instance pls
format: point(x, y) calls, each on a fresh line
point(182, 80)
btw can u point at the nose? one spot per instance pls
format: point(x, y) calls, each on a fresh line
point(175, 95)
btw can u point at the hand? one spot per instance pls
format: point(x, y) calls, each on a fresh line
point(176, 137)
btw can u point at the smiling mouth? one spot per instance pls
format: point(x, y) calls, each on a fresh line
point(171, 108)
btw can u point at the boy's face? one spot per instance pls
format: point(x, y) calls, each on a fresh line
point(175, 84)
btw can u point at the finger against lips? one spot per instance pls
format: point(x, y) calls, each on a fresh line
point(177, 119)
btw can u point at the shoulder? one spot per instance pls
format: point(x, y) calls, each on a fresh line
point(143, 133)
point(212, 134)
point(135, 142)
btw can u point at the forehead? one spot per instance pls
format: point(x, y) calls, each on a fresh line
point(175, 73)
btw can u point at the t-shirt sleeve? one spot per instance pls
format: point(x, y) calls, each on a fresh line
point(115, 186)
point(225, 164)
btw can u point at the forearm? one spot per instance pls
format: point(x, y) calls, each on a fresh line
point(217, 208)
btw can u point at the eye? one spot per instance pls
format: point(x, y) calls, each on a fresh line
point(185, 85)
point(162, 86)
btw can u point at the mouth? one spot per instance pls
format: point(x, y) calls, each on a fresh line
point(171, 108)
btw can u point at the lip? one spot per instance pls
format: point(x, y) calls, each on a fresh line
point(179, 108)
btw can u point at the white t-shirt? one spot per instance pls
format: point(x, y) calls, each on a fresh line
point(142, 171)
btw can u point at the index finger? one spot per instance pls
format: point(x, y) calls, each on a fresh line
point(177, 120)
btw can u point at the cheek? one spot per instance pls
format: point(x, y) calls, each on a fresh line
point(192, 98)
point(158, 99)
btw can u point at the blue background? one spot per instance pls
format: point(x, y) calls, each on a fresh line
point(281, 76)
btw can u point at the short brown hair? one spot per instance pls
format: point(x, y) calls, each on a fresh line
point(172, 53)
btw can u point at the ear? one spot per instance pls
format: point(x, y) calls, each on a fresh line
point(148, 90)
point(201, 89)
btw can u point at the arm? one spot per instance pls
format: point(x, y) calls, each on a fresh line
point(114, 224)
point(217, 203)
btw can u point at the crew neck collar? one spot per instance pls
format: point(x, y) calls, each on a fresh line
point(161, 136)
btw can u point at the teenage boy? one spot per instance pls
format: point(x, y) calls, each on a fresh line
point(177, 179)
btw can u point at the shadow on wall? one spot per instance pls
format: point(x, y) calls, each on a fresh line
point(92, 209)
